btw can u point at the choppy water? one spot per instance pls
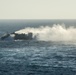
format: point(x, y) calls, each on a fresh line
point(37, 58)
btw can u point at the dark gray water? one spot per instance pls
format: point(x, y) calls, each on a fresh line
point(36, 57)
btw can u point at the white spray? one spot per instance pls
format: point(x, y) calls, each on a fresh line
point(54, 33)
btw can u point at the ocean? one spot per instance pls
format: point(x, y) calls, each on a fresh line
point(53, 52)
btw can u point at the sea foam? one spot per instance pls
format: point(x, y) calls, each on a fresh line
point(52, 33)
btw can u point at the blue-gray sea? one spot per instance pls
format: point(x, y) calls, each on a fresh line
point(34, 57)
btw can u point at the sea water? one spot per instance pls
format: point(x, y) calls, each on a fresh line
point(38, 57)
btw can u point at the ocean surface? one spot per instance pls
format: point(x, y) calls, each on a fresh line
point(56, 56)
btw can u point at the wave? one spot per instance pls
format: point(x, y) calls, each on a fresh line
point(55, 33)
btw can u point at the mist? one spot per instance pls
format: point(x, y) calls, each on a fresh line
point(55, 33)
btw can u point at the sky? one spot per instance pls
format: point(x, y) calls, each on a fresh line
point(37, 9)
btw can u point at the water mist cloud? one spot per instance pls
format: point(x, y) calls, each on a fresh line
point(54, 33)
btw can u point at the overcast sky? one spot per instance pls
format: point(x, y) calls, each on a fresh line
point(37, 9)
